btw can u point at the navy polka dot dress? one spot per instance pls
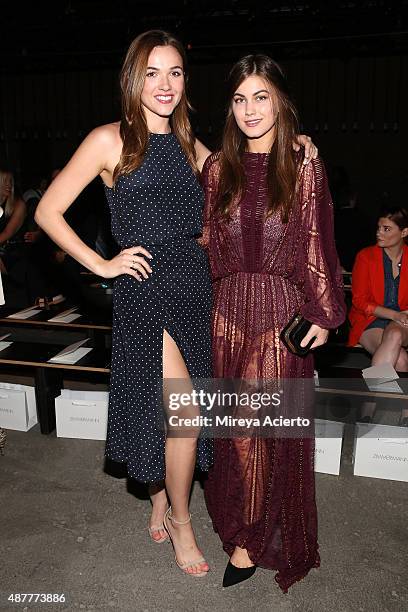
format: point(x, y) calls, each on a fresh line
point(158, 206)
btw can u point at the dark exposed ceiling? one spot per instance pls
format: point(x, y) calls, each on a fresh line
point(70, 34)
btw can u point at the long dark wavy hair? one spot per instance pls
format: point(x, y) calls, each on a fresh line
point(282, 164)
point(133, 126)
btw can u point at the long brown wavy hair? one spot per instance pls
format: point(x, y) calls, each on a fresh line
point(133, 126)
point(282, 164)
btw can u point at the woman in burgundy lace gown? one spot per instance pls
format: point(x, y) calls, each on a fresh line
point(269, 233)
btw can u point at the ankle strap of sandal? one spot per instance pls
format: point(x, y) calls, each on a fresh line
point(180, 522)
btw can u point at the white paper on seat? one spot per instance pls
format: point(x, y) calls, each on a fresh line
point(66, 316)
point(72, 353)
point(4, 345)
point(383, 372)
point(71, 358)
point(382, 378)
point(388, 387)
point(24, 314)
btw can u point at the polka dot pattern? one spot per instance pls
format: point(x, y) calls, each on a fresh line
point(158, 206)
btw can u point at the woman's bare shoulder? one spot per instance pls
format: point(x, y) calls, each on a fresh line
point(107, 135)
point(104, 146)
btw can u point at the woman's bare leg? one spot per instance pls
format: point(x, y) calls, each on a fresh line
point(394, 337)
point(402, 361)
point(180, 463)
point(387, 346)
point(370, 339)
point(240, 558)
point(160, 504)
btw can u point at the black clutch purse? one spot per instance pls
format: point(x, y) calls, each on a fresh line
point(293, 334)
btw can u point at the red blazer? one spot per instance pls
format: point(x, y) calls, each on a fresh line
point(367, 288)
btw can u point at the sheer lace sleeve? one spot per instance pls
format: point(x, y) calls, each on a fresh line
point(322, 278)
point(209, 176)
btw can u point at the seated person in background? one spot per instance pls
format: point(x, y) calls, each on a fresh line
point(13, 213)
point(379, 312)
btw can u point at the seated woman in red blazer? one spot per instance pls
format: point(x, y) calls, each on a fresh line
point(379, 312)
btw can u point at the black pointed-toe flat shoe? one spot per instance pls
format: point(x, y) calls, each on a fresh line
point(235, 575)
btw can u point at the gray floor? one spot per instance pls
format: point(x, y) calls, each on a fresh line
point(69, 527)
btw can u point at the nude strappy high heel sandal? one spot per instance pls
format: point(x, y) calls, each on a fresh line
point(183, 566)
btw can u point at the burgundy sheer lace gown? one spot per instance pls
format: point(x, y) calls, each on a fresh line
point(260, 492)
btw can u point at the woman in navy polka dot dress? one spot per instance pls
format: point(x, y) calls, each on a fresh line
point(162, 292)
